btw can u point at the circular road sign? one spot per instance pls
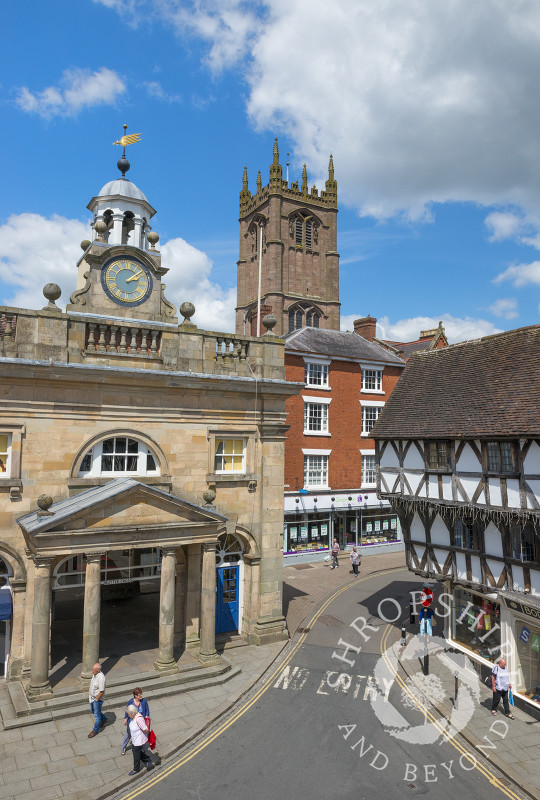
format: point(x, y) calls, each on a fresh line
point(426, 597)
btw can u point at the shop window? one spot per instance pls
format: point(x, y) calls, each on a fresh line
point(315, 418)
point(372, 380)
point(370, 415)
point(476, 623)
point(528, 652)
point(316, 374)
point(117, 567)
point(464, 535)
point(500, 457)
point(118, 456)
point(377, 528)
point(5, 455)
point(315, 470)
point(436, 455)
point(369, 472)
point(229, 455)
point(301, 534)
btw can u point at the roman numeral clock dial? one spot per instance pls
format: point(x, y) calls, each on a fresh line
point(126, 281)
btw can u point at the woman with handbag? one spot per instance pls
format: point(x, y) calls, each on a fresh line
point(142, 707)
point(139, 741)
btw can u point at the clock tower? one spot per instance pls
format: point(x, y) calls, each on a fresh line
point(120, 272)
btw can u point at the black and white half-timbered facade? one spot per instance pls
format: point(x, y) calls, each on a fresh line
point(458, 457)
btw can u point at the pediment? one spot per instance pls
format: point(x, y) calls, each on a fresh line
point(119, 504)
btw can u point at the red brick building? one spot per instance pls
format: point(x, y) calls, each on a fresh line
point(329, 456)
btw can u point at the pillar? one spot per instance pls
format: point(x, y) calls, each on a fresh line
point(92, 614)
point(116, 237)
point(16, 656)
point(207, 653)
point(39, 687)
point(193, 595)
point(166, 663)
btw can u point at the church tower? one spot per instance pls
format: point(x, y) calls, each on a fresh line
point(288, 234)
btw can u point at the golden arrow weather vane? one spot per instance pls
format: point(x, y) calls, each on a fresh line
point(132, 138)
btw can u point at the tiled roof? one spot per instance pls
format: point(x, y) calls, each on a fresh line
point(408, 348)
point(339, 343)
point(488, 387)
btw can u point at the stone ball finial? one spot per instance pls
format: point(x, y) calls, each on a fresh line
point(85, 244)
point(269, 321)
point(51, 292)
point(153, 238)
point(44, 502)
point(209, 496)
point(100, 227)
point(187, 310)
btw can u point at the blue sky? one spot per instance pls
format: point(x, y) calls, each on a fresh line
point(432, 114)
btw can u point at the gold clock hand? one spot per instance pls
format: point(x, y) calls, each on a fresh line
point(134, 277)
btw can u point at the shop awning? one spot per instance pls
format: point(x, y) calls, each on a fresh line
point(5, 603)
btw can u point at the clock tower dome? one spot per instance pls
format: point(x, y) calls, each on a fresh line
point(120, 271)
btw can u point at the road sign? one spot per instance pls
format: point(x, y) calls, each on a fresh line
point(426, 597)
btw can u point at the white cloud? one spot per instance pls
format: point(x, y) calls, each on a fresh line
point(506, 307)
point(521, 274)
point(155, 89)
point(78, 89)
point(419, 102)
point(457, 329)
point(38, 250)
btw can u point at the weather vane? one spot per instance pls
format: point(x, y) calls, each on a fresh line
point(132, 138)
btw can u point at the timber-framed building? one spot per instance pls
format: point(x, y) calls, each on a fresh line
point(458, 453)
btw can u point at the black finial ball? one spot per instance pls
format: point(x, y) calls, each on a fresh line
point(123, 165)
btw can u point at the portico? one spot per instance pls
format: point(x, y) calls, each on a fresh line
point(93, 527)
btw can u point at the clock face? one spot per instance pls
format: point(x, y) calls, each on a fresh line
point(126, 281)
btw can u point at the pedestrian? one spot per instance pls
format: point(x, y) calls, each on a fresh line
point(96, 692)
point(500, 684)
point(142, 707)
point(335, 553)
point(139, 740)
point(355, 560)
point(425, 616)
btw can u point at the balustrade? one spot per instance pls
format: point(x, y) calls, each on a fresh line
point(127, 339)
point(8, 325)
point(229, 347)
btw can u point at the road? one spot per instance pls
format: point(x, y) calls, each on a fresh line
point(320, 726)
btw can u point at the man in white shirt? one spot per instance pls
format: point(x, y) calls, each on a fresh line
point(95, 697)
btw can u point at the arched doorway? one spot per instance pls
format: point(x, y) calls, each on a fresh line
point(5, 615)
point(130, 583)
point(230, 575)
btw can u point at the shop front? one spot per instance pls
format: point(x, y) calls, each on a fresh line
point(524, 624)
point(313, 520)
point(476, 623)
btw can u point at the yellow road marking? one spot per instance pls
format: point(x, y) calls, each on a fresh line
point(268, 683)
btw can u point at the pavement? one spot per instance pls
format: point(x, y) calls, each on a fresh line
point(55, 759)
point(513, 746)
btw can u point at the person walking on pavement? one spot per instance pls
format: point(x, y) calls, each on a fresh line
point(500, 684)
point(335, 553)
point(96, 692)
point(355, 560)
point(139, 741)
point(142, 707)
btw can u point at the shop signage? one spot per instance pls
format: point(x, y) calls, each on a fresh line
point(118, 580)
point(529, 611)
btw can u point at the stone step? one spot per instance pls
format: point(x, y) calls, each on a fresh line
point(68, 703)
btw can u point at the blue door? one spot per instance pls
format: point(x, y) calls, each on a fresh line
point(227, 599)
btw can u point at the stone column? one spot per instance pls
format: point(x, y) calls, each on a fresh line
point(207, 653)
point(39, 687)
point(92, 614)
point(166, 663)
point(16, 657)
point(193, 595)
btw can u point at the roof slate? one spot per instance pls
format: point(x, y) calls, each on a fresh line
point(339, 343)
point(484, 388)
